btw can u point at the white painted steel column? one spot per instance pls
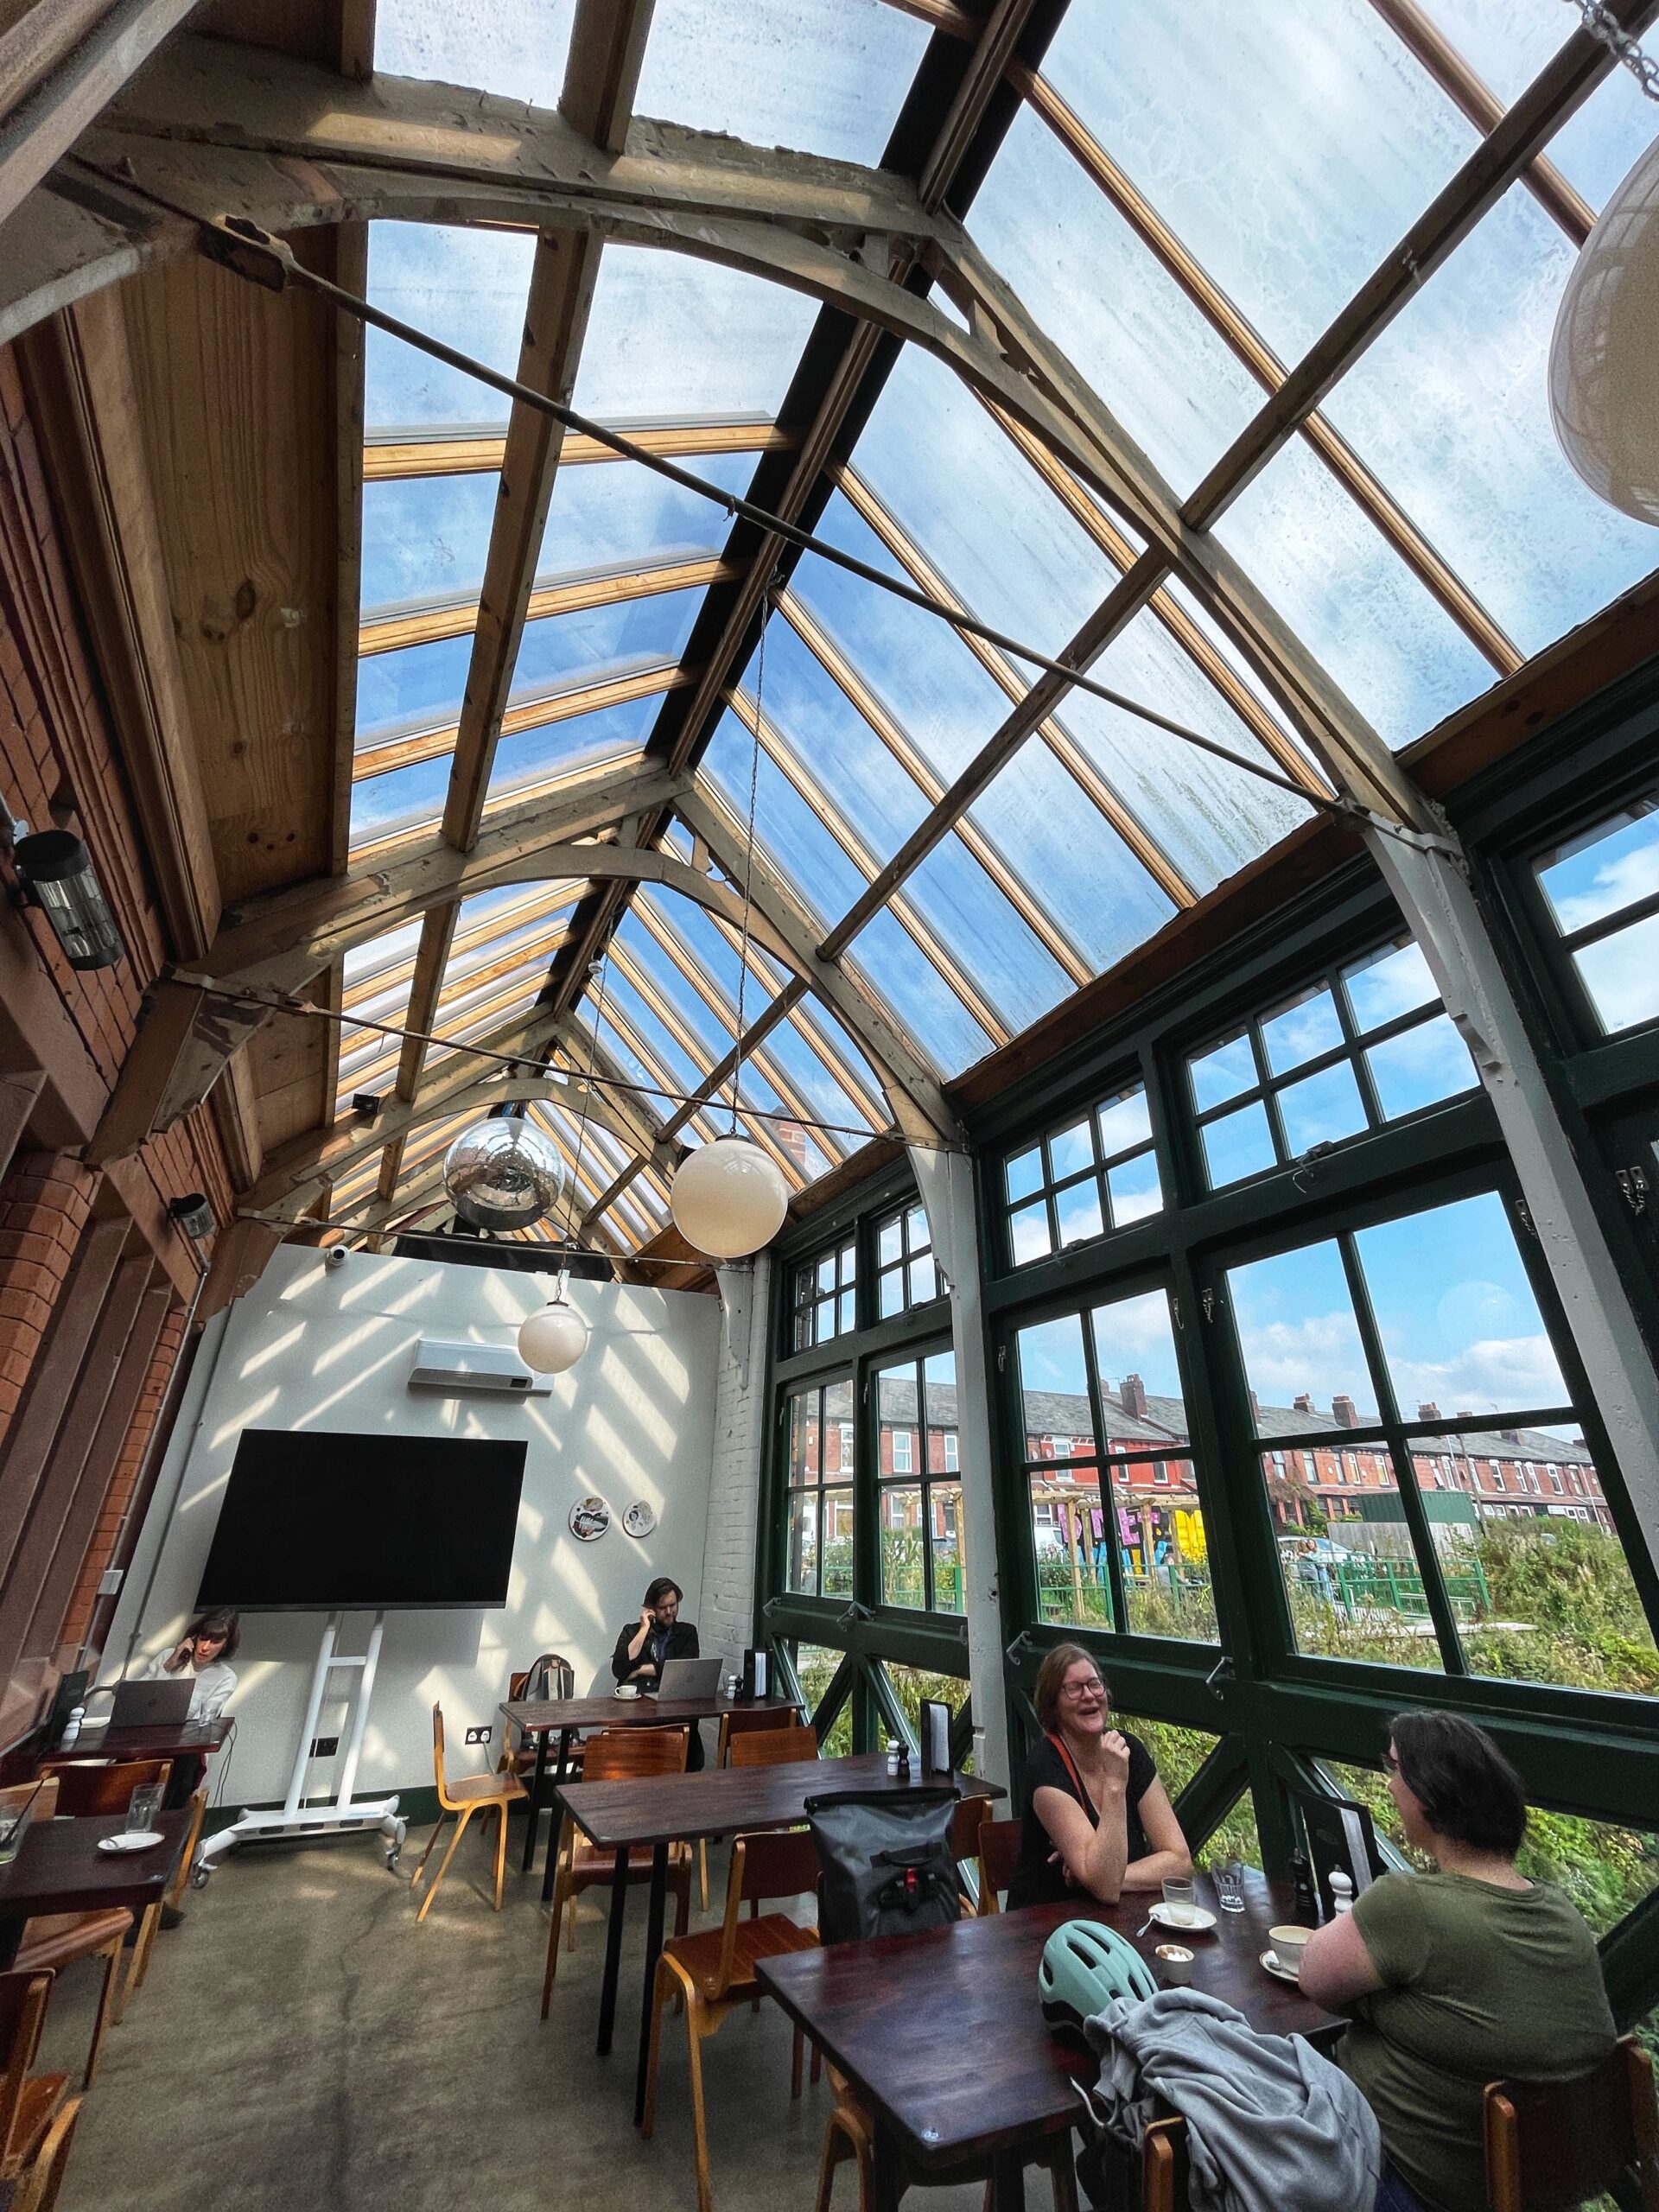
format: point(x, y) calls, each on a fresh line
point(946, 1180)
point(1430, 880)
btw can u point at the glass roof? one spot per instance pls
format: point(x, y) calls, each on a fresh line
point(1184, 200)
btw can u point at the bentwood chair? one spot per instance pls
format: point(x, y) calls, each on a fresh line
point(849, 2133)
point(474, 1793)
point(1553, 2144)
point(965, 1824)
point(999, 1854)
point(715, 1969)
point(791, 1746)
point(738, 1721)
point(38, 2191)
point(55, 1940)
point(615, 1755)
point(28, 2103)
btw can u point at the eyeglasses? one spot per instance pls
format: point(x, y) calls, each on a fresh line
point(1096, 1688)
point(1390, 1763)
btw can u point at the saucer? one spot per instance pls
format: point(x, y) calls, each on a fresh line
point(140, 1839)
point(1280, 1974)
point(1202, 1918)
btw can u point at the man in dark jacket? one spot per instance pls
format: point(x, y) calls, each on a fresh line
point(645, 1648)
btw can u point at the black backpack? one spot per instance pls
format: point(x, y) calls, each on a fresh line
point(885, 1862)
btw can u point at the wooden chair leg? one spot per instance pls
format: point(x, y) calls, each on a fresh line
point(817, 2065)
point(443, 1868)
point(562, 1900)
point(141, 1951)
point(666, 1980)
point(427, 1853)
point(500, 1852)
point(699, 2122)
point(199, 1814)
point(702, 1870)
point(796, 2056)
point(40, 2182)
point(842, 2140)
point(108, 2012)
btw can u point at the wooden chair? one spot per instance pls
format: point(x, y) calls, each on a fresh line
point(94, 1789)
point(739, 1721)
point(999, 1854)
point(193, 1837)
point(715, 1969)
point(55, 1940)
point(1552, 2143)
point(791, 1746)
point(474, 1793)
point(548, 1676)
point(615, 1755)
point(1163, 2166)
point(965, 1824)
point(43, 2178)
point(28, 2103)
point(849, 2133)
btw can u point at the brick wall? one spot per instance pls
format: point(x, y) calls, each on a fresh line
point(45, 1199)
point(128, 1467)
point(727, 1615)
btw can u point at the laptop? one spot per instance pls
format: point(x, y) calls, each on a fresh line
point(691, 1678)
point(152, 1705)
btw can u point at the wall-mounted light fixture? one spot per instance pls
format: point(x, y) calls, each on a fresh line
point(55, 873)
point(194, 1216)
point(366, 1105)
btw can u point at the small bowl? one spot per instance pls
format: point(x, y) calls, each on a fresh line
point(1289, 1944)
point(1177, 1962)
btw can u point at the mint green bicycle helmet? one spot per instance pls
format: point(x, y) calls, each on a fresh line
point(1084, 1967)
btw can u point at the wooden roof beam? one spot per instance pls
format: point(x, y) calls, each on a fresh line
point(388, 460)
point(390, 753)
point(393, 632)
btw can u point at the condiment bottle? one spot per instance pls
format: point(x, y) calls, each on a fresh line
point(1342, 1891)
point(1302, 1875)
point(72, 1727)
point(892, 1754)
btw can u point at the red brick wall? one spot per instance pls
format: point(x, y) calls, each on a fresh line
point(44, 1202)
point(125, 1481)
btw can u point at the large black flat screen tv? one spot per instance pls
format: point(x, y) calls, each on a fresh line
point(318, 1520)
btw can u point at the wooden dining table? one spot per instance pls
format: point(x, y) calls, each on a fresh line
point(659, 1809)
point(943, 2037)
point(59, 1868)
point(565, 1717)
point(175, 1739)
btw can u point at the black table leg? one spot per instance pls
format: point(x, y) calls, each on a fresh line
point(612, 1954)
point(12, 1925)
point(1007, 2182)
point(535, 1800)
point(653, 1952)
point(557, 1820)
point(888, 2177)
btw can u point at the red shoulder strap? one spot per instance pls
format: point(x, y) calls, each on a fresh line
point(1083, 1798)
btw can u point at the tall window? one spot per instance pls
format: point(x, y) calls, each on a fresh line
point(1358, 1048)
point(1096, 1173)
point(1601, 891)
point(1116, 1517)
point(818, 1537)
point(922, 1557)
point(905, 1272)
point(1383, 1350)
point(823, 1297)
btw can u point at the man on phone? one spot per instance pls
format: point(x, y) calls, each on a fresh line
point(644, 1647)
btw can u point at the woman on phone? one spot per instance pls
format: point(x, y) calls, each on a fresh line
point(1097, 1819)
point(205, 1651)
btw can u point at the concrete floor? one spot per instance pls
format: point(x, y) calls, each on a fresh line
point(301, 2042)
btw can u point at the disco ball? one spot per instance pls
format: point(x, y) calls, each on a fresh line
point(503, 1174)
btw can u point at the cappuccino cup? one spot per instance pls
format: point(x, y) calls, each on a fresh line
point(626, 1689)
point(1176, 1960)
point(1289, 1944)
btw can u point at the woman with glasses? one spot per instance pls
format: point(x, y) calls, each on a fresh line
point(1097, 1820)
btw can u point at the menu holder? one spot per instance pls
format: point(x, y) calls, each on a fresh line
point(933, 1729)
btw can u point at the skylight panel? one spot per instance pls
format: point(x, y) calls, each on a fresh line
point(466, 286)
point(621, 515)
point(535, 760)
point(1451, 408)
point(425, 538)
point(519, 51)
point(1357, 606)
point(787, 832)
point(671, 336)
point(934, 1018)
point(1288, 147)
point(820, 76)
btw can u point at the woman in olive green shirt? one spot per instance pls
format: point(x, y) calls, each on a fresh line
point(1457, 1978)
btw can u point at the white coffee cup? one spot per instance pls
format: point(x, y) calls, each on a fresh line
point(1177, 1963)
point(1289, 1944)
point(628, 1689)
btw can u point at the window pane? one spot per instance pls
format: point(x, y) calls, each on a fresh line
point(838, 1431)
point(1071, 1151)
point(1608, 869)
point(1353, 1581)
point(1024, 1172)
point(944, 1508)
point(1069, 1532)
point(1055, 1390)
point(1029, 1232)
point(1300, 1341)
point(923, 1280)
point(1135, 1190)
point(1165, 1558)
point(1421, 1066)
point(823, 1320)
point(1078, 1210)
point(1386, 984)
point(804, 1438)
point(1178, 1753)
point(1123, 1122)
point(1302, 1031)
point(1221, 1073)
point(901, 1546)
point(892, 1292)
point(815, 1666)
point(889, 1241)
point(1456, 1313)
point(801, 1563)
point(916, 1229)
point(837, 1543)
point(1621, 974)
point(1322, 1108)
point(1140, 1382)
point(1237, 1145)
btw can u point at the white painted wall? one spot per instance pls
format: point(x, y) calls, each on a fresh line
point(312, 1347)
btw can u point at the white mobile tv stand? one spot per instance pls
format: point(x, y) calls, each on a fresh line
point(342, 1816)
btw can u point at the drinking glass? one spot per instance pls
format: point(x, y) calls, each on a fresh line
point(1178, 1898)
point(143, 1809)
point(1230, 1887)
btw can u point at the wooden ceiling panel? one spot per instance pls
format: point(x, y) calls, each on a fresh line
point(287, 1060)
point(236, 401)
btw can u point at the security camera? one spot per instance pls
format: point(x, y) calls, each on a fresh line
point(334, 1257)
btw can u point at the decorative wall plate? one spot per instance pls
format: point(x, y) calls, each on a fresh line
point(589, 1518)
point(640, 1518)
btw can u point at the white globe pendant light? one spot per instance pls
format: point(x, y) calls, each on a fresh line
point(553, 1339)
point(729, 1197)
point(1603, 358)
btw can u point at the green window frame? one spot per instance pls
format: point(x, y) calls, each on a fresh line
point(824, 1296)
point(1095, 1173)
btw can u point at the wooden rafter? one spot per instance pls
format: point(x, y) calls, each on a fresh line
point(425, 625)
point(538, 712)
point(387, 460)
point(62, 62)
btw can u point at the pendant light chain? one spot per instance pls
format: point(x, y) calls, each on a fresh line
point(570, 1230)
point(748, 862)
point(1602, 24)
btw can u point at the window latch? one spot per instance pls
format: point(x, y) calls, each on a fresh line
point(1633, 1188)
point(1207, 1299)
point(1219, 1674)
point(1002, 1359)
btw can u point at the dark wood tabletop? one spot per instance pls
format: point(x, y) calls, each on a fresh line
point(942, 2036)
point(59, 1868)
point(170, 1742)
point(551, 1716)
point(722, 1800)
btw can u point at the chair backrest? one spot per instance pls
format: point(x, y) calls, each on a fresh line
point(1552, 2143)
point(965, 1824)
point(38, 2190)
point(616, 1754)
point(44, 1791)
point(737, 1722)
point(1164, 2167)
point(774, 1747)
point(92, 1792)
point(999, 1854)
point(775, 1863)
point(22, 2015)
point(547, 1676)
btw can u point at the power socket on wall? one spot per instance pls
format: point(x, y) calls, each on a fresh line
point(479, 1735)
point(324, 1747)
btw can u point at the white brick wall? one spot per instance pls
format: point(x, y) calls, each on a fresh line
point(726, 1621)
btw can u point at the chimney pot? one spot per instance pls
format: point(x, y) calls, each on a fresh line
point(1344, 1413)
point(1133, 1397)
point(1304, 1404)
point(1427, 1410)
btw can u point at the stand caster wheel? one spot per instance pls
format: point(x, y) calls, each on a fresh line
point(392, 1856)
point(199, 1877)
